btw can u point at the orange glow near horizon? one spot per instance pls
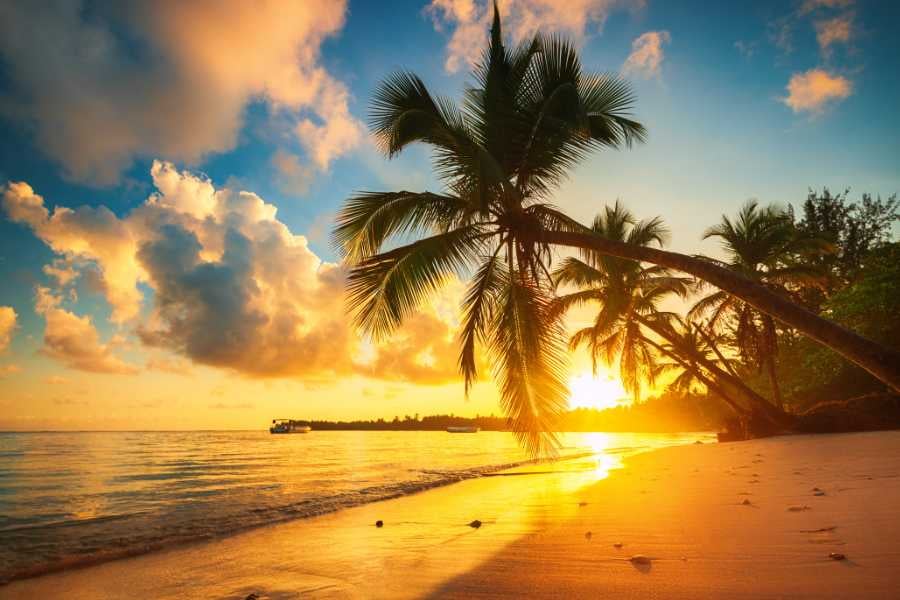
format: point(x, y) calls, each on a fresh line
point(596, 391)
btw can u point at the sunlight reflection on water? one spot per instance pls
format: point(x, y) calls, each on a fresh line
point(66, 496)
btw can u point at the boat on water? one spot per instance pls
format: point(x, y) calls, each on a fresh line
point(463, 429)
point(288, 426)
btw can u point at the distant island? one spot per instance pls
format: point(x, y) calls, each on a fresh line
point(668, 412)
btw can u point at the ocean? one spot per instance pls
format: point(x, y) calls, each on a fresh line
point(72, 498)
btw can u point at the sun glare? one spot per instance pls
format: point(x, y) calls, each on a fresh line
point(590, 391)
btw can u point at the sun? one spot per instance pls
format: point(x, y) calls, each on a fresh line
point(595, 391)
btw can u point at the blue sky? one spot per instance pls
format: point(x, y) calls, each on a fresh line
point(755, 99)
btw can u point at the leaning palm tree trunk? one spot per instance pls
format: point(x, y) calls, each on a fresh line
point(880, 361)
point(710, 384)
point(715, 348)
point(758, 404)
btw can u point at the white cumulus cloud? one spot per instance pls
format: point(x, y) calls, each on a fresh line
point(233, 287)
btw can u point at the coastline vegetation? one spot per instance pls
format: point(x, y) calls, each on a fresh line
point(669, 412)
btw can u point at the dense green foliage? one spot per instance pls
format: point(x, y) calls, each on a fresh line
point(869, 305)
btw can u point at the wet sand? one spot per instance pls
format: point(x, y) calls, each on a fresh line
point(736, 520)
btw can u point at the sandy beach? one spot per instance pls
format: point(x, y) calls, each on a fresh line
point(745, 520)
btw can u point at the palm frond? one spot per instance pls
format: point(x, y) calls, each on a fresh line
point(526, 343)
point(572, 271)
point(562, 304)
point(479, 306)
point(384, 289)
point(368, 219)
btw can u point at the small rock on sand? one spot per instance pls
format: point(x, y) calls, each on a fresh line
point(617, 545)
point(582, 503)
point(819, 493)
point(798, 508)
point(698, 442)
point(379, 523)
point(837, 556)
point(252, 597)
point(640, 559)
point(746, 502)
point(588, 535)
point(475, 524)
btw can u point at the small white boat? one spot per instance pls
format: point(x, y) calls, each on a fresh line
point(463, 429)
point(288, 426)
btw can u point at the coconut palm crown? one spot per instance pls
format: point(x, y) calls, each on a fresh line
point(763, 245)
point(530, 116)
point(628, 294)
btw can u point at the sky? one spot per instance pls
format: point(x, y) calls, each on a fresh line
point(170, 171)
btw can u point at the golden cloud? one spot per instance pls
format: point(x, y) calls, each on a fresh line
point(646, 54)
point(73, 339)
point(8, 318)
point(833, 31)
point(812, 5)
point(232, 287)
point(469, 21)
point(813, 90)
point(96, 103)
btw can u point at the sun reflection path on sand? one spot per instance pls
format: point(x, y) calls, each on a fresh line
point(594, 456)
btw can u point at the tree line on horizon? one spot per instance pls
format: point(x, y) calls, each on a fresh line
point(670, 411)
point(529, 117)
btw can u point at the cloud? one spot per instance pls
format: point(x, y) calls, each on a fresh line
point(470, 20)
point(9, 369)
point(62, 271)
point(815, 89)
point(812, 5)
point(8, 318)
point(646, 54)
point(86, 233)
point(746, 49)
point(425, 350)
point(232, 287)
point(828, 30)
point(73, 340)
point(124, 80)
point(833, 31)
point(292, 175)
point(175, 366)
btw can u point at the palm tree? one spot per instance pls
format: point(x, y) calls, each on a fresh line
point(631, 329)
point(627, 293)
point(688, 351)
point(762, 245)
point(531, 116)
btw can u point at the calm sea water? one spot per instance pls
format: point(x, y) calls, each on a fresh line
point(72, 498)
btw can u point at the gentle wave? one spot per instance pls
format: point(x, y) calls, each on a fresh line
point(134, 499)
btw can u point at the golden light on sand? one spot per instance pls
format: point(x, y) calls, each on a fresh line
point(595, 391)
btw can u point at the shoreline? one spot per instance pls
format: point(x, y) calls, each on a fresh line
point(683, 507)
point(400, 490)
